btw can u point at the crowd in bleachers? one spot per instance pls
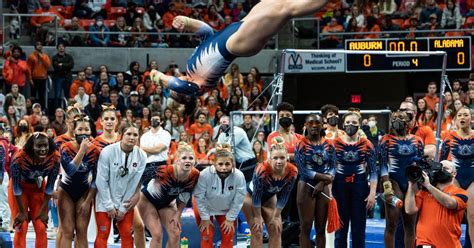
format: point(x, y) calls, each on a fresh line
point(131, 91)
point(143, 21)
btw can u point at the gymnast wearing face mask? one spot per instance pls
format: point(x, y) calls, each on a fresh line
point(355, 160)
point(219, 194)
point(79, 160)
point(398, 150)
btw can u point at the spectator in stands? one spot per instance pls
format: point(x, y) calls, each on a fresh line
point(16, 100)
point(82, 9)
point(150, 17)
point(260, 153)
point(39, 64)
point(169, 16)
point(81, 97)
point(451, 18)
point(62, 64)
point(387, 7)
point(196, 129)
point(433, 25)
point(436, 206)
point(353, 28)
point(334, 40)
point(234, 72)
point(413, 27)
point(137, 39)
point(421, 107)
point(388, 25)
point(122, 38)
point(80, 81)
point(111, 78)
point(248, 126)
point(131, 13)
point(23, 131)
point(75, 39)
point(90, 74)
point(213, 18)
point(373, 133)
point(134, 70)
point(135, 105)
point(104, 94)
point(16, 71)
point(175, 127)
point(36, 114)
point(93, 109)
point(102, 38)
point(142, 97)
point(59, 122)
point(355, 13)
point(44, 23)
point(117, 101)
point(99, 8)
point(431, 98)
point(427, 12)
point(457, 87)
point(125, 94)
point(373, 27)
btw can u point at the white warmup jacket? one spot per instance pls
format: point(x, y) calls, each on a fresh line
point(112, 189)
point(216, 198)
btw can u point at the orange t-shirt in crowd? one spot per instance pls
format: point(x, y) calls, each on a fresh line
point(75, 87)
point(39, 20)
point(290, 145)
point(39, 63)
point(426, 134)
point(438, 226)
point(431, 101)
point(197, 129)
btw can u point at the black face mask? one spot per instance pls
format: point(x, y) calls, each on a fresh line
point(155, 123)
point(225, 128)
point(399, 126)
point(351, 130)
point(332, 121)
point(81, 137)
point(23, 128)
point(443, 176)
point(224, 175)
point(285, 122)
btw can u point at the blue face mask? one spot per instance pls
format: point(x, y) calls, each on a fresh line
point(81, 137)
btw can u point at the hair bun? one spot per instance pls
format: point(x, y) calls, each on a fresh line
point(223, 147)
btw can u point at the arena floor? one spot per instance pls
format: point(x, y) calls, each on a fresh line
point(374, 238)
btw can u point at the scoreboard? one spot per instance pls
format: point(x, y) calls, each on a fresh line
point(458, 51)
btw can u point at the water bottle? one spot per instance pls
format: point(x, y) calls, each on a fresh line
point(249, 238)
point(377, 210)
point(396, 202)
point(184, 242)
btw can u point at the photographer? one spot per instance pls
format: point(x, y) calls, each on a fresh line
point(440, 208)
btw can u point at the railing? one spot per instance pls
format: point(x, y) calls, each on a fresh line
point(294, 41)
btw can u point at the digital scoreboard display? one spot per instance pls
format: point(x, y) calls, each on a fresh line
point(458, 51)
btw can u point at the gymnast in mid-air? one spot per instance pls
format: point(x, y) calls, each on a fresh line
point(240, 39)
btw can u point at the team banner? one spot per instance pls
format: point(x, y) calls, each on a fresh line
point(314, 62)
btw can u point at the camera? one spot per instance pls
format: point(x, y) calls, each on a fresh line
point(414, 172)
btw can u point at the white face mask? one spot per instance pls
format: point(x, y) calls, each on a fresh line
point(372, 123)
point(99, 23)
